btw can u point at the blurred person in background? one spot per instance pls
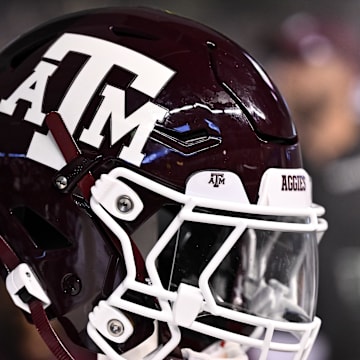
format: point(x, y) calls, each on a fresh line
point(315, 64)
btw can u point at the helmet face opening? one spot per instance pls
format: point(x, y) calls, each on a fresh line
point(267, 273)
point(153, 191)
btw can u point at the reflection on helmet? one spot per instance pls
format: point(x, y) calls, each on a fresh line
point(153, 198)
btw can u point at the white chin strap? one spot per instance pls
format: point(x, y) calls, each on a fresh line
point(217, 351)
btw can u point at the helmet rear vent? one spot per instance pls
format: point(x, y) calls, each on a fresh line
point(41, 232)
point(124, 32)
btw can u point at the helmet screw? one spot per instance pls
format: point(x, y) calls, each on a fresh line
point(71, 284)
point(115, 327)
point(61, 182)
point(124, 204)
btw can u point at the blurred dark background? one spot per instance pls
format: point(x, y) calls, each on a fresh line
point(243, 20)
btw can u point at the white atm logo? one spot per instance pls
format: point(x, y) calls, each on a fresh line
point(151, 77)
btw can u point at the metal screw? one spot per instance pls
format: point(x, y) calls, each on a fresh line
point(71, 284)
point(115, 327)
point(125, 204)
point(61, 182)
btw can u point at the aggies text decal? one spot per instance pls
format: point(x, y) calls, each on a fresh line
point(151, 77)
point(293, 183)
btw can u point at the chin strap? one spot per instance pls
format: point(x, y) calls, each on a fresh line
point(38, 314)
point(71, 152)
point(47, 332)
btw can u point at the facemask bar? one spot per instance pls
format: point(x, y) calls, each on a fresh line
point(193, 299)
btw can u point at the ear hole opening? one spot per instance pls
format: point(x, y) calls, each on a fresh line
point(41, 232)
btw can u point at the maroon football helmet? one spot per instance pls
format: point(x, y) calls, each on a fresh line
point(152, 196)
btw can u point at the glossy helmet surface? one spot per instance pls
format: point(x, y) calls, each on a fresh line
point(118, 124)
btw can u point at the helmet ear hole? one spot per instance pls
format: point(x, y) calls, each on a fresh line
point(41, 232)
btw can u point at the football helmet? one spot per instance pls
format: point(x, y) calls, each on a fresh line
point(152, 197)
